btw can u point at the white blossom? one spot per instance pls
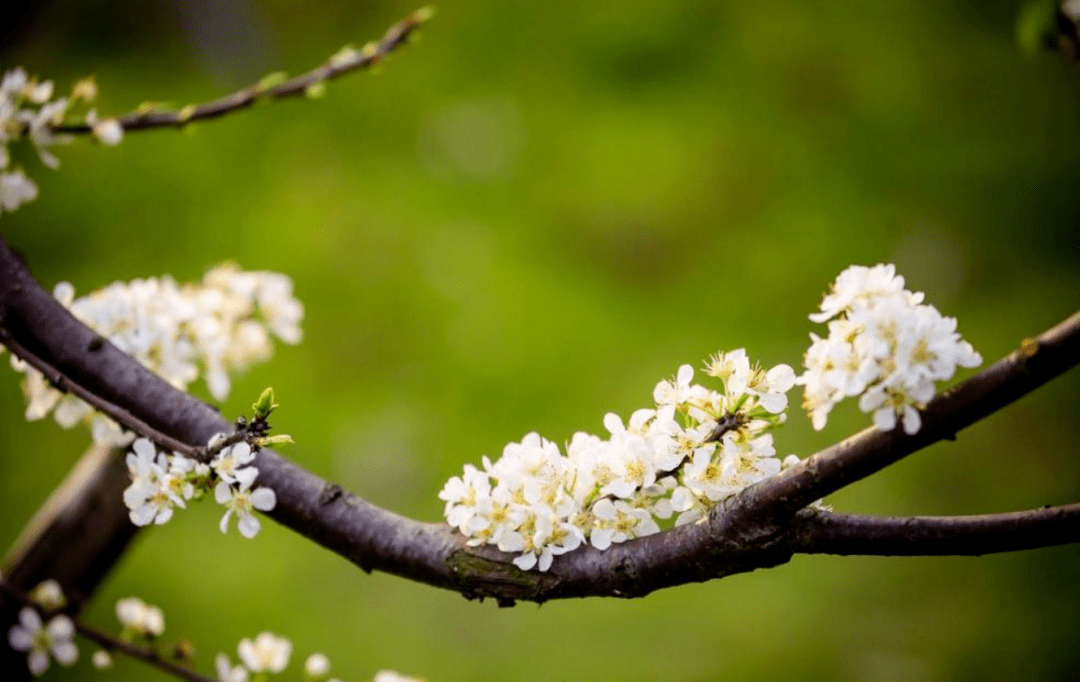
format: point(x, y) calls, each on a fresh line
point(138, 617)
point(229, 464)
point(884, 345)
point(213, 329)
point(391, 676)
point(102, 659)
point(317, 665)
point(266, 652)
point(107, 131)
point(242, 502)
point(226, 672)
point(15, 189)
point(26, 113)
point(49, 595)
point(40, 640)
point(538, 503)
point(156, 486)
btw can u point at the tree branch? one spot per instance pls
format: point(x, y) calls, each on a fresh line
point(1036, 361)
point(828, 533)
point(106, 641)
point(395, 36)
point(74, 539)
point(747, 531)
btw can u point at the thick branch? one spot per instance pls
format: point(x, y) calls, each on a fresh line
point(395, 36)
point(748, 531)
point(828, 533)
point(74, 539)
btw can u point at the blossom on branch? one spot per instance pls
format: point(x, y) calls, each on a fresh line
point(139, 618)
point(266, 652)
point(39, 640)
point(697, 446)
point(242, 501)
point(884, 345)
point(214, 328)
point(27, 113)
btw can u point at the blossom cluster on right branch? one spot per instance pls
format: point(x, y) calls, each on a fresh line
point(884, 345)
point(699, 445)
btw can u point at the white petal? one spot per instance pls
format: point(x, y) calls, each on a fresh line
point(38, 662)
point(65, 653)
point(29, 619)
point(780, 378)
point(601, 538)
point(222, 492)
point(773, 402)
point(20, 639)
point(163, 516)
point(61, 627)
point(245, 477)
point(224, 525)
point(249, 526)
point(686, 373)
point(135, 494)
point(526, 561)
point(247, 653)
point(885, 419)
point(263, 499)
point(545, 561)
point(613, 423)
point(912, 421)
point(604, 509)
point(242, 453)
point(143, 447)
point(142, 516)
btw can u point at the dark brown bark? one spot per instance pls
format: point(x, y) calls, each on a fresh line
point(754, 529)
point(74, 539)
point(829, 533)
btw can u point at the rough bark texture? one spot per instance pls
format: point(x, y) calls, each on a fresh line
point(757, 528)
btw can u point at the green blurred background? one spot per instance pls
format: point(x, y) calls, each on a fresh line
point(525, 220)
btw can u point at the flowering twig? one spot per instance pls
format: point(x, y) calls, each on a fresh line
point(343, 62)
point(108, 642)
point(756, 528)
point(143, 654)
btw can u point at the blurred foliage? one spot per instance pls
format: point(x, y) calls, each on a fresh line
point(523, 221)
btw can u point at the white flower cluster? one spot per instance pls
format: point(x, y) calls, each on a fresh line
point(268, 653)
point(218, 326)
point(139, 618)
point(697, 447)
point(884, 345)
point(26, 112)
point(39, 639)
point(161, 482)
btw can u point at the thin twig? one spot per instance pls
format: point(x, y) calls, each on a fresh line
point(139, 653)
point(118, 414)
point(108, 641)
point(371, 55)
point(829, 533)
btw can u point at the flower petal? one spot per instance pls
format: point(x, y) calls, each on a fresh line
point(263, 499)
point(248, 525)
